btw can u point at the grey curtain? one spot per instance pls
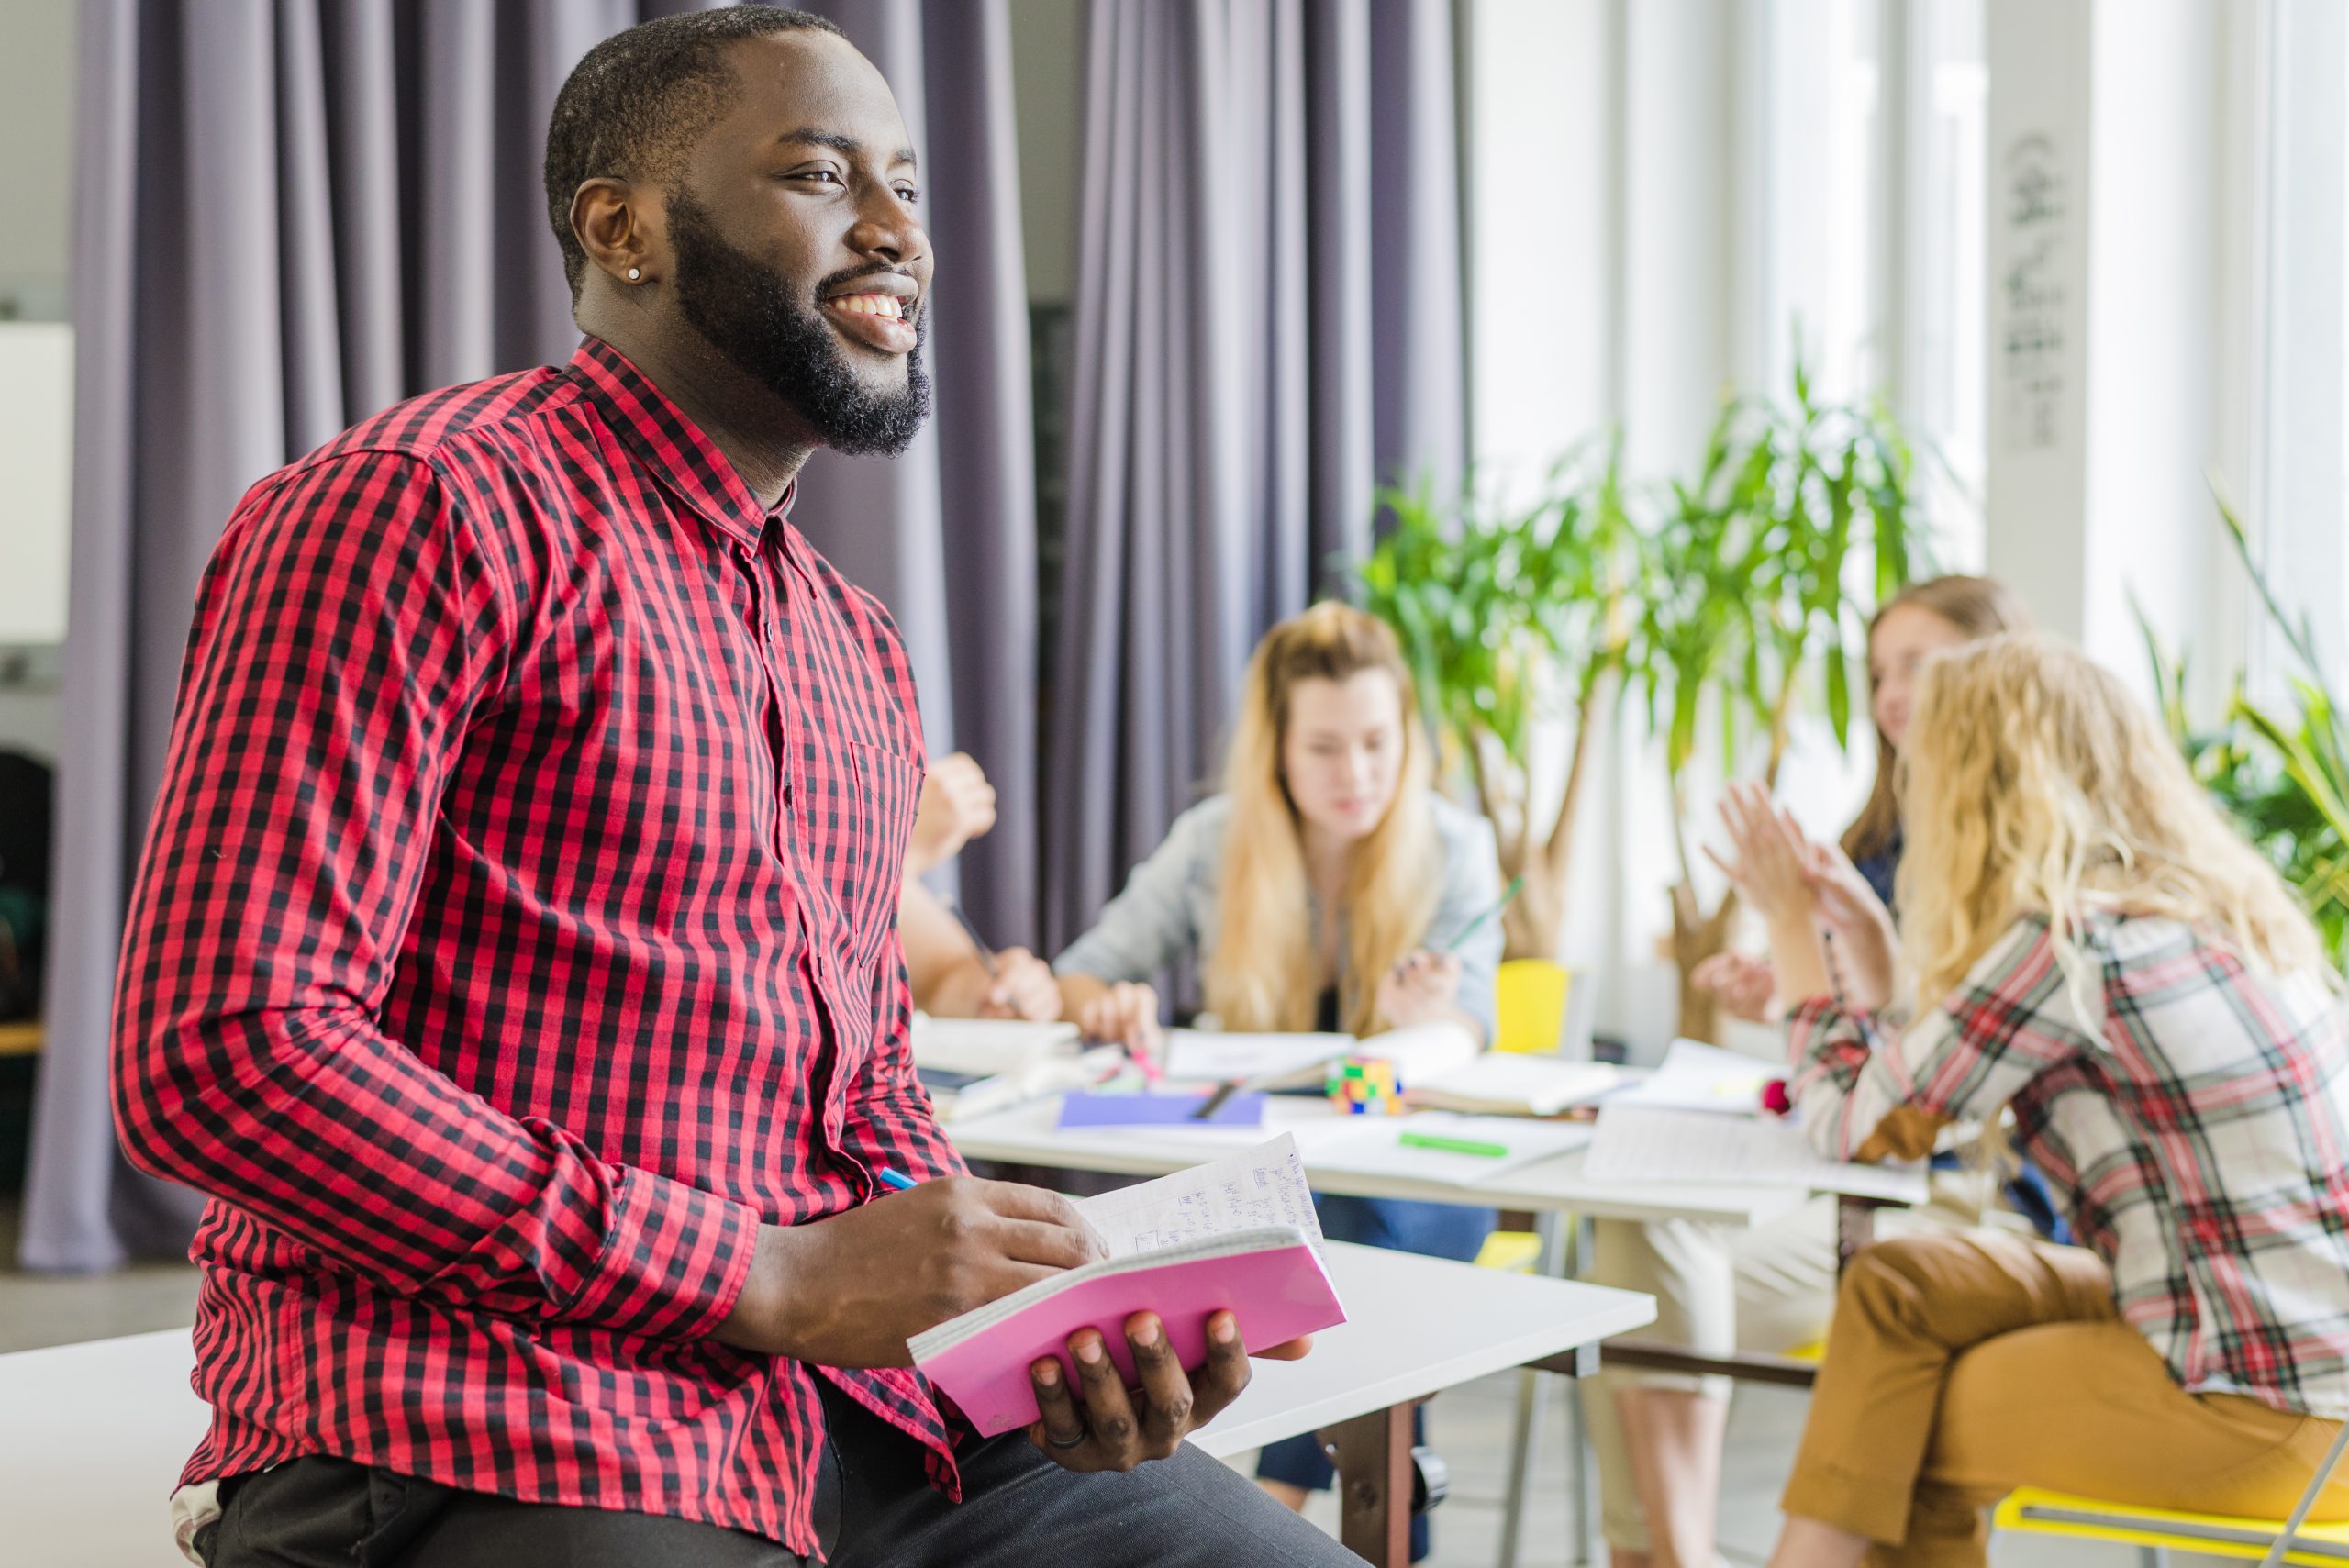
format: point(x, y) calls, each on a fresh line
point(291, 213)
point(1267, 324)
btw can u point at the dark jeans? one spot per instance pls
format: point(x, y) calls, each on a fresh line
point(1431, 1230)
point(873, 1508)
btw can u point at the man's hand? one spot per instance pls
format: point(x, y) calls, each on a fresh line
point(957, 805)
point(1107, 1428)
point(851, 1290)
point(1023, 987)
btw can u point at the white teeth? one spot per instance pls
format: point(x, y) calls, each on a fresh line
point(871, 305)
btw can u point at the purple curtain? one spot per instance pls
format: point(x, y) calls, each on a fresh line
point(291, 213)
point(1267, 325)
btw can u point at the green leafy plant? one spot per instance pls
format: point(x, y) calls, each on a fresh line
point(1508, 616)
point(2283, 775)
point(1753, 587)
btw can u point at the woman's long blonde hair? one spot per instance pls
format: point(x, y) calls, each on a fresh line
point(2034, 783)
point(1978, 606)
point(1261, 974)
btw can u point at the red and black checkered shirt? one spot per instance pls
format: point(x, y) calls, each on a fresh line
point(515, 934)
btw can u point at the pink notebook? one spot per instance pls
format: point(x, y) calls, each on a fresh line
point(1271, 1276)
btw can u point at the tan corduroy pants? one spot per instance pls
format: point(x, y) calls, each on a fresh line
point(1962, 1365)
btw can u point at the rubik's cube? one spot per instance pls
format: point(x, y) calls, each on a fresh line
point(1360, 1086)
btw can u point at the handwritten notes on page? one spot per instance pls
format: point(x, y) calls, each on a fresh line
point(1247, 1191)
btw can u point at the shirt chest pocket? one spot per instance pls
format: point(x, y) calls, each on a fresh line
point(869, 856)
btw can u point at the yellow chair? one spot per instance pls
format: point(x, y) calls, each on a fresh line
point(1531, 1005)
point(1511, 1251)
point(2031, 1511)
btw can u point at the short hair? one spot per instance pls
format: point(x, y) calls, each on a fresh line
point(638, 102)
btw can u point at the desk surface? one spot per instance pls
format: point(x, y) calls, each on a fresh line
point(1418, 1326)
point(1025, 1135)
point(91, 1436)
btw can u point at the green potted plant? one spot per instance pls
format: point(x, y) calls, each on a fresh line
point(2282, 773)
point(1506, 616)
point(1754, 583)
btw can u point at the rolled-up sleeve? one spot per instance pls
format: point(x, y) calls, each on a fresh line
point(1867, 1093)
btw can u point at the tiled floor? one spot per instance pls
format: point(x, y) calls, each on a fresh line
point(1470, 1427)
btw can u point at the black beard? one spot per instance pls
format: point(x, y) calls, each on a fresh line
point(749, 314)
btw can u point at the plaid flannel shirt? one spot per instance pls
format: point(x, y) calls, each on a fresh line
point(2195, 1120)
point(517, 933)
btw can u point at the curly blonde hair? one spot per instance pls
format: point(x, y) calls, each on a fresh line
point(2034, 783)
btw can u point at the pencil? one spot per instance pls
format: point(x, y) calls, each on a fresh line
point(1471, 929)
point(987, 954)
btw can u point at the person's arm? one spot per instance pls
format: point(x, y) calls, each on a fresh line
point(949, 979)
point(1865, 1095)
point(889, 1122)
point(957, 805)
point(1143, 930)
point(348, 630)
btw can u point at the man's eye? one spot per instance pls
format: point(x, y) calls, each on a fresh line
point(831, 174)
point(909, 195)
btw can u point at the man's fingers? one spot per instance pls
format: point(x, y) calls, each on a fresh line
point(1059, 1429)
point(1108, 1414)
point(1166, 1389)
point(1225, 1373)
point(1050, 1246)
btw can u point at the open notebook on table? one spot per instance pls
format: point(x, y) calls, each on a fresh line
point(1646, 1143)
point(1239, 1233)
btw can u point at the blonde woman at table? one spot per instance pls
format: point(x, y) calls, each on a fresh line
point(1323, 889)
point(2097, 953)
point(1658, 1435)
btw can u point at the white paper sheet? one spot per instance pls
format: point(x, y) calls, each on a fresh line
point(986, 1047)
point(1376, 1146)
point(1261, 1186)
point(1511, 1083)
point(1697, 1077)
point(1214, 1055)
point(1638, 1143)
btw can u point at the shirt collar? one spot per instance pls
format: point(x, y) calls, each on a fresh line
point(672, 447)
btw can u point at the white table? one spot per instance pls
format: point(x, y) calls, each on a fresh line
point(1026, 1135)
point(91, 1436)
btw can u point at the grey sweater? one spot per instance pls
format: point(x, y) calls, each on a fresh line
point(1168, 908)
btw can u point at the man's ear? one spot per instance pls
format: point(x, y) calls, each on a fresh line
point(618, 224)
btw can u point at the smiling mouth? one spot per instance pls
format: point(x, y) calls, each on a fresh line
point(868, 305)
point(873, 319)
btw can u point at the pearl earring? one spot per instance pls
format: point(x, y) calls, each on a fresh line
point(636, 274)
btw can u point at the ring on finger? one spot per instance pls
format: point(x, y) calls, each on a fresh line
point(1075, 1442)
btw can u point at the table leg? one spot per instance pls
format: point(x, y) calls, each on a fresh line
point(1590, 1542)
point(1555, 1261)
point(1855, 1229)
point(1373, 1455)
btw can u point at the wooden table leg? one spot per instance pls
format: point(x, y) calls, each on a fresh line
point(1373, 1455)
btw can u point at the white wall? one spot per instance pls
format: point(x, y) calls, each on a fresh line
point(36, 63)
point(37, 53)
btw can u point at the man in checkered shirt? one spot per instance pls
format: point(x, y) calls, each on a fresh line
point(514, 959)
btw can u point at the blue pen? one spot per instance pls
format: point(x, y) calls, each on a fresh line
point(895, 1180)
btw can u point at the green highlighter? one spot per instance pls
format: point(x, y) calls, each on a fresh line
point(1452, 1145)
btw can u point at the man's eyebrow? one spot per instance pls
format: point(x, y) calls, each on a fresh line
point(846, 146)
